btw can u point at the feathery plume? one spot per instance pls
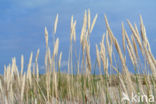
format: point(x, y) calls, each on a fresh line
point(89, 21)
point(56, 47)
point(55, 24)
point(131, 48)
point(111, 36)
point(59, 64)
point(46, 36)
point(98, 57)
point(88, 56)
point(93, 23)
point(130, 54)
point(22, 87)
point(135, 34)
point(37, 70)
point(22, 64)
point(83, 30)
point(73, 31)
point(29, 69)
point(123, 37)
point(134, 45)
point(38, 51)
point(109, 47)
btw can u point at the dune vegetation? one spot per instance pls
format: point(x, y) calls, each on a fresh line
point(55, 87)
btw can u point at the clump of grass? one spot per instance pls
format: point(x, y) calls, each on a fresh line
point(85, 86)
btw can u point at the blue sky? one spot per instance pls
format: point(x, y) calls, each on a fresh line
point(22, 23)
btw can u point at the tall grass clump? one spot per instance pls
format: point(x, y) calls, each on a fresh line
point(54, 86)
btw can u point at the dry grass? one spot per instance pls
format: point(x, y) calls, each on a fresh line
point(57, 87)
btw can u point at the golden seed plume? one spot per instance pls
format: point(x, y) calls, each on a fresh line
point(109, 47)
point(93, 23)
point(98, 57)
point(83, 30)
point(60, 58)
point(89, 20)
point(111, 36)
point(130, 54)
point(135, 34)
point(38, 51)
point(56, 47)
point(22, 87)
point(88, 56)
point(136, 29)
point(73, 30)
point(46, 36)
point(29, 69)
point(123, 37)
point(36, 62)
point(119, 52)
point(131, 48)
point(22, 64)
point(134, 45)
point(55, 24)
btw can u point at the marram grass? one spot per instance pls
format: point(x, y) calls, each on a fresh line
point(55, 87)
